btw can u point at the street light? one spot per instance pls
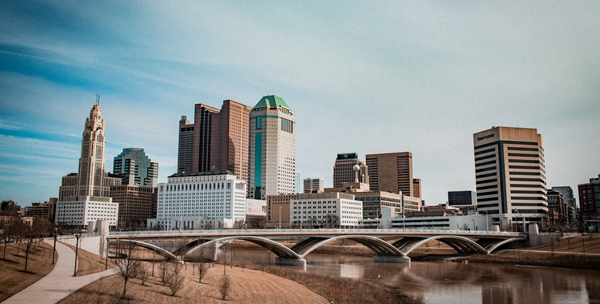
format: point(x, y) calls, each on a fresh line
point(473, 224)
point(54, 250)
point(77, 235)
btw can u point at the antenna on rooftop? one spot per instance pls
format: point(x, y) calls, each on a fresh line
point(97, 99)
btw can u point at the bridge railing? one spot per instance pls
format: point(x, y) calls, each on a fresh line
point(315, 231)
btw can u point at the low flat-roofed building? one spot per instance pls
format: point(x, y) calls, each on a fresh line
point(203, 200)
point(325, 210)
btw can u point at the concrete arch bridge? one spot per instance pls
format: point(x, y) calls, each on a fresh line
point(377, 240)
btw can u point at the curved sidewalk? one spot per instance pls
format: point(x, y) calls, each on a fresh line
point(59, 283)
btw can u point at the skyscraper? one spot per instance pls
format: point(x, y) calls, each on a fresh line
point(84, 196)
point(272, 148)
point(217, 140)
point(229, 139)
point(136, 168)
point(343, 170)
point(203, 135)
point(391, 172)
point(510, 175)
point(185, 152)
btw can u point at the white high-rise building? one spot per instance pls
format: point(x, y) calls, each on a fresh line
point(84, 196)
point(203, 200)
point(510, 175)
point(272, 163)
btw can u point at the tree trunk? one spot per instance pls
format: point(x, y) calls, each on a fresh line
point(26, 258)
point(124, 290)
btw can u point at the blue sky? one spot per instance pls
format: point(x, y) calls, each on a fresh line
point(360, 76)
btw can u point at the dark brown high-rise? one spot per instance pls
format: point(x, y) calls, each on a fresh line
point(229, 139)
point(217, 140)
point(203, 117)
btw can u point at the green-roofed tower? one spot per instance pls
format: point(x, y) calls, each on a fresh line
point(272, 165)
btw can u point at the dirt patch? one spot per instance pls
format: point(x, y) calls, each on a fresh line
point(88, 262)
point(248, 286)
point(13, 278)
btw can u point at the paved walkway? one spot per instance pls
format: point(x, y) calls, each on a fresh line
point(59, 283)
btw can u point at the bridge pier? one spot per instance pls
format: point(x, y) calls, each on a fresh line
point(290, 262)
point(391, 259)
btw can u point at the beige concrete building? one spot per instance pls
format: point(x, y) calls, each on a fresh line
point(137, 204)
point(392, 172)
point(278, 210)
point(510, 176)
point(84, 196)
point(343, 171)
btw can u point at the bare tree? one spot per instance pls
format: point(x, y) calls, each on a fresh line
point(332, 221)
point(128, 266)
point(176, 279)
point(256, 222)
point(166, 272)
point(200, 258)
point(143, 273)
point(10, 230)
point(225, 286)
point(238, 224)
point(33, 235)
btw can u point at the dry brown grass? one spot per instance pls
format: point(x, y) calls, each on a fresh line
point(12, 278)
point(587, 243)
point(88, 262)
point(247, 286)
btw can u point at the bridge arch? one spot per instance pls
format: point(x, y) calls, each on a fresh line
point(495, 246)
point(154, 248)
point(278, 249)
point(377, 245)
point(459, 243)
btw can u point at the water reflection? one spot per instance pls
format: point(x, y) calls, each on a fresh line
point(448, 282)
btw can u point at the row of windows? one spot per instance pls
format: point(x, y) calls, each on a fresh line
point(485, 169)
point(485, 163)
point(525, 161)
point(485, 157)
point(484, 151)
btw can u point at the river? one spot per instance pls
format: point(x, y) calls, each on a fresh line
point(456, 282)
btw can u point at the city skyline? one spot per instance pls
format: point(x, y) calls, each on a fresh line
point(429, 75)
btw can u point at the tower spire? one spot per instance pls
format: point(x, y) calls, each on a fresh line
point(97, 99)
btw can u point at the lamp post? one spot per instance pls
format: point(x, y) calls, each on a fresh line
point(279, 217)
point(77, 235)
point(473, 224)
point(54, 249)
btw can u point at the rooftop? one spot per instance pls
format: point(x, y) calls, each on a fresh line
point(271, 101)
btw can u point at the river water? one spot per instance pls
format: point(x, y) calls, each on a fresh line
point(456, 282)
